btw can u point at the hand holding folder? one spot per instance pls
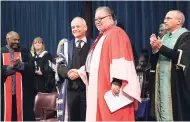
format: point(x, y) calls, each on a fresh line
point(116, 102)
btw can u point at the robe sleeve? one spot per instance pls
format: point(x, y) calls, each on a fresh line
point(122, 63)
point(82, 73)
point(27, 61)
point(9, 70)
point(47, 71)
point(63, 70)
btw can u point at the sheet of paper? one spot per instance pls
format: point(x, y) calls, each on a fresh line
point(116, 102)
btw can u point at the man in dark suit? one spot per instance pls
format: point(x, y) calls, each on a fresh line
point(77, 52)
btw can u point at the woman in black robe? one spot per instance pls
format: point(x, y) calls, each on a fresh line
point(44, 76)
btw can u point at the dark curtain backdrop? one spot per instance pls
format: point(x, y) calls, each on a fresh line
point(47, 19)
point(142, 18)
point(51, 19)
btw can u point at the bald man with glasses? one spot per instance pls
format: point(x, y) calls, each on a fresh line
point(172, 84)
point(110, 72)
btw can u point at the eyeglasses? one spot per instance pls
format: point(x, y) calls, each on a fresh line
point(100, 19)
point(161, 30)
point(168, 18)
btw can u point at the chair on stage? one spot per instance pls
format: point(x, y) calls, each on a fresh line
point(45, 106)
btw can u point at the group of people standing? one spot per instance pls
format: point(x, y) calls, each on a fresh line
point(85, 70)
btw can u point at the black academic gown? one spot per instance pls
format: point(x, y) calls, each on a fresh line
point(180, 77)
point(46, 82)
point(27, 84)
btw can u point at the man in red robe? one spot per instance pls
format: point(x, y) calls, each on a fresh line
point(17, 71)
point(110, 68)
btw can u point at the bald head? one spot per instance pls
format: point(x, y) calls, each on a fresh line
point(13, 39)
point(178, 15)
point(174, 20)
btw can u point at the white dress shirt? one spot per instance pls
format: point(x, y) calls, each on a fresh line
point(84, 40)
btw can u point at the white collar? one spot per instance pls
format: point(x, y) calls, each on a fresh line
point(84, 39)
point(42, 54)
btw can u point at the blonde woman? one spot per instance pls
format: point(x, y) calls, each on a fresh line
point(44, 76)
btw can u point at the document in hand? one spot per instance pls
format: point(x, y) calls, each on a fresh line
point(116, 102)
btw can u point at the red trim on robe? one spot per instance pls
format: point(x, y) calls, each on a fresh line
point(8, 91)
point(115, 46)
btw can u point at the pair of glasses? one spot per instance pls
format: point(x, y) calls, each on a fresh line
point(100, 19)
point(168, 18)
point(161, 30)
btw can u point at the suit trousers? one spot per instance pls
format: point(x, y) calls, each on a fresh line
point(77, 105)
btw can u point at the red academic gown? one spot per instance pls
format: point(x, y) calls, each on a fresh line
point(24, 87)
point(112, 57)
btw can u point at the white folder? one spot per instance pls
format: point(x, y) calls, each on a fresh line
point(116, 102)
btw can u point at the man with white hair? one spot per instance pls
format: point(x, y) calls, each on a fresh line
point(162, 30)
point(77, 52)
point(172, 84)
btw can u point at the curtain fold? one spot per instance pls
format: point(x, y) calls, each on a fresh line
point(142, 18)
point(47, 19)
point(51, 19)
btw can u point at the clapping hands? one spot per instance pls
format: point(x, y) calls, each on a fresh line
point(15, 61)
point(155, 42)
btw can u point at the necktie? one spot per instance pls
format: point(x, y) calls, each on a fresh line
point(79, 44)
point(170, 34)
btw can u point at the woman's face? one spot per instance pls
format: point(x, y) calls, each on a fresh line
point(38, 45)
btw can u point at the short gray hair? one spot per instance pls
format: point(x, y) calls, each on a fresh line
point(11, 34)
point(107, 9)
point(83, 21)
point(162, 25)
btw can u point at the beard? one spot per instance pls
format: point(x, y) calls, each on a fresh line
point(14, 45)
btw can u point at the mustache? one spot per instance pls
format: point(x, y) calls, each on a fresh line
point(12, 45)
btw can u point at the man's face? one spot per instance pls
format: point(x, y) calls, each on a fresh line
point(171, 21)
point(162, 32)
point(142, 60)
point(14, 41)
point(78, 28)
point(101, 17)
